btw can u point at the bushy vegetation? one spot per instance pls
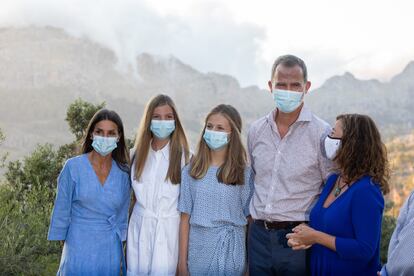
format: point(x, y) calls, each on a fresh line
point(388, 226)
point(27, 194)
point(24, 220)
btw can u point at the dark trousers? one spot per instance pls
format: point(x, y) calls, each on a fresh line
point(269, 253)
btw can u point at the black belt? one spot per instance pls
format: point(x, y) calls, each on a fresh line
point(277, 225)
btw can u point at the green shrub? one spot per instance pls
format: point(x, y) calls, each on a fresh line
point(23, 228)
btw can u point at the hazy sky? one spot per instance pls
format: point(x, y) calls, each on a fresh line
point(371, 39)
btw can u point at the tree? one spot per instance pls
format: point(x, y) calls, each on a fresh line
point(78, 116)
point(4, 156)
point(26, 201)
point(23, 230)
point(388, 226)
point(40, 169)
point(2, 137)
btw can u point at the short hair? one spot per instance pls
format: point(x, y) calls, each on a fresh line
point(290, 61)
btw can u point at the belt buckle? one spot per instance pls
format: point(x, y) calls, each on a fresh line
point(265, 225)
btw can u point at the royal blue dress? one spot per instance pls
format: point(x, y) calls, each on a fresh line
point(354, 218)
point(91, 218)
point(218, 213)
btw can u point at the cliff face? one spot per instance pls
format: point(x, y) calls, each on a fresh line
point(43, 70)
point(389, 104)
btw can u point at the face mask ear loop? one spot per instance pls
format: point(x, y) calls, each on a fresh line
point(334, 138)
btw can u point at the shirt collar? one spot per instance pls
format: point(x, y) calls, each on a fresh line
point(165, 151)
point(305, 115)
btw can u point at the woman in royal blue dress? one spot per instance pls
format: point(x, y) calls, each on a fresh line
point(345, 224)
point(91, 207)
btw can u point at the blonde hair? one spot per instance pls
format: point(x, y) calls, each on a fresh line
point(178, 141)
point(232, 170)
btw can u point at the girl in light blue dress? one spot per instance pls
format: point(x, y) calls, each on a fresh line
point(214, 198)
point(91, 207)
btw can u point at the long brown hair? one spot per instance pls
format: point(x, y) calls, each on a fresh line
point(178, 140)
point(232, 170)
point(120, 153)
point(362, 152)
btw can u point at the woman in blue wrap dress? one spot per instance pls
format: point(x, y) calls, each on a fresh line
point(214, 198)
point(91, 207)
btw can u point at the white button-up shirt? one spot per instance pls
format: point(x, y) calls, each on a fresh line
point(289, 172)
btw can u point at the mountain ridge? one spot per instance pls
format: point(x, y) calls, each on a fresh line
point(43, 70)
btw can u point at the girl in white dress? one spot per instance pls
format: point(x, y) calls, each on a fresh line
point(161, 151)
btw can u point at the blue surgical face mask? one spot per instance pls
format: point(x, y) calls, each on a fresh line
point(162, 128)
point(104, 145)
point(287, 101)
point(215, 140)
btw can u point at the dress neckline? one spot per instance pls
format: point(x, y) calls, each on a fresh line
point(339, 196)
point(104, 184)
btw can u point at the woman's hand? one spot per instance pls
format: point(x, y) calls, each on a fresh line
point(302, 237)
point(295, 245)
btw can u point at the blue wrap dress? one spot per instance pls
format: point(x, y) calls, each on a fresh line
point(91, 218)
point(354, 218)
point(218, 214)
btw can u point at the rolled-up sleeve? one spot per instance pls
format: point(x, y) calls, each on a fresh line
point(247, 191)
point(185, 203)
point(61, 214)
point(367, 208)
point(250, 138)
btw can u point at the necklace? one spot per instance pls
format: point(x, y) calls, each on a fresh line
point(338, 189)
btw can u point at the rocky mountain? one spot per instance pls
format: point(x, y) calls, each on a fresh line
point(43, 70)
point(389, 104)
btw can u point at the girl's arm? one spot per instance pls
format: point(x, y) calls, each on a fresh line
point(185, 206)
point(183, 244)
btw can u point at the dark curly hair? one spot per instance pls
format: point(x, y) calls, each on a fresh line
point(362, 152)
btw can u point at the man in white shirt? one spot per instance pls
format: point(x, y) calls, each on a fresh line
point(289, 170)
